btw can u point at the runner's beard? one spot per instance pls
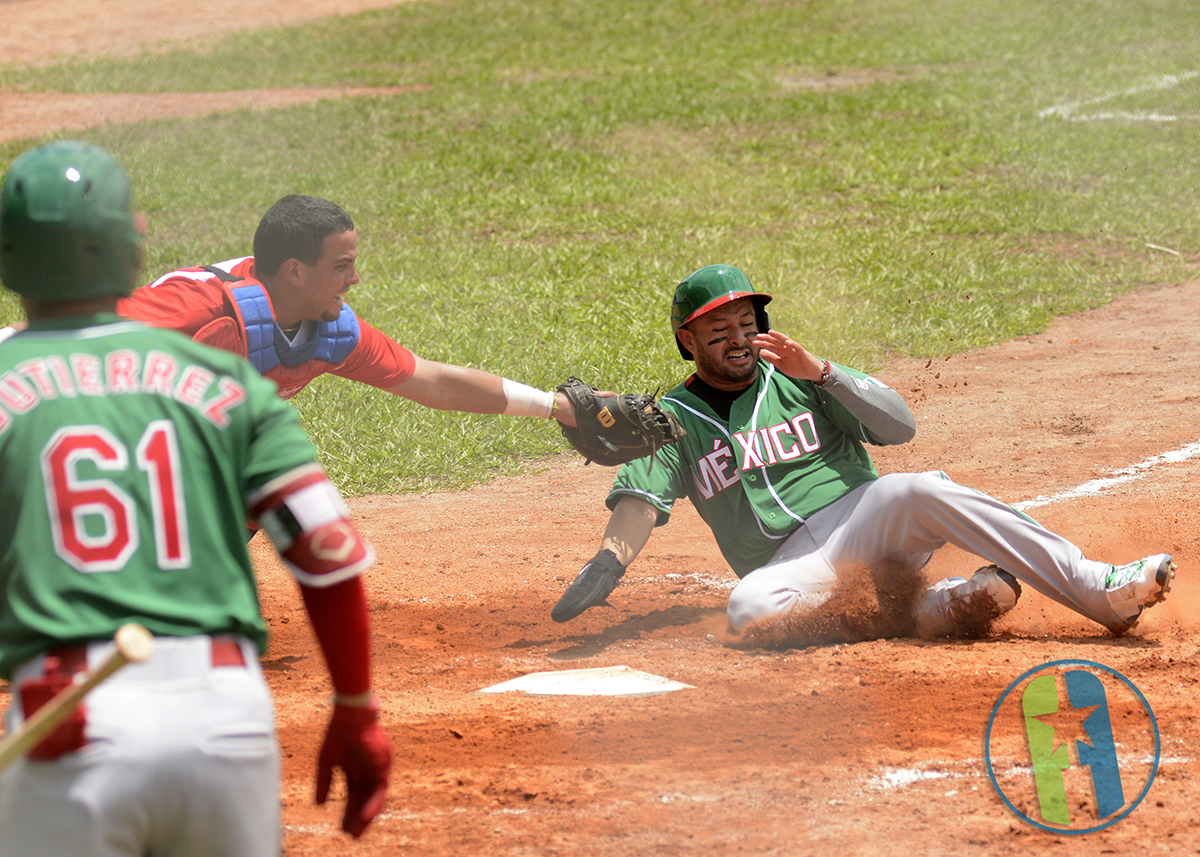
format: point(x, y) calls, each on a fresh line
point(712, 369)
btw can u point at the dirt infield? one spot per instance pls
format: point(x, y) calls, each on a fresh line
point(864, 748)
point(868, 748)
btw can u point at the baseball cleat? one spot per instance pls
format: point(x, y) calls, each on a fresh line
point(1133, 587)
point(957, 607)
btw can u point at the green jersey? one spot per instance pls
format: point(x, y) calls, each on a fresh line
point(788, 449)
point(126, 456)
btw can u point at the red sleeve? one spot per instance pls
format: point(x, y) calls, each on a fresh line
point(377, 360)
point(180, 303)
point(338, 615)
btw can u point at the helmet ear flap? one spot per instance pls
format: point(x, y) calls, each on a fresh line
point(760, 315)
point(683, 352)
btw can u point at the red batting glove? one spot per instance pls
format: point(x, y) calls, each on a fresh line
point(356, 743)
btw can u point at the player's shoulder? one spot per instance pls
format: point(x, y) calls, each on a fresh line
point(231, 270)
point(679, 395)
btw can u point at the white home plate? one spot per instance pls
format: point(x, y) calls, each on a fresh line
point(602, 681)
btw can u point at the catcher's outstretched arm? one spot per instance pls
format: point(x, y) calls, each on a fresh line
point(446, 387)
point(627, 532)
point(12, 329)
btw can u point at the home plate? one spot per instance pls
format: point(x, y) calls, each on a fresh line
point(602, 681)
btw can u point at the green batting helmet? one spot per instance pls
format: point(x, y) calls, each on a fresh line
point(67, 228)
point(707, 289)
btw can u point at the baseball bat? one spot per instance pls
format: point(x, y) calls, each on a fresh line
point(131, 644)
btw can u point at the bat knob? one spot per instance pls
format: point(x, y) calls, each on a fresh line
point(134, 642)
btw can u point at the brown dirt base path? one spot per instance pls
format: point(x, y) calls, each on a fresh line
point(36, 32)
point(858, 748)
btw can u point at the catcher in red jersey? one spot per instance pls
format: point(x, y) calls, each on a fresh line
point(130, 458)
point(284, 308)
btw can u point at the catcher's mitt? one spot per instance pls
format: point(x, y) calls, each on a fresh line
point(617, 428)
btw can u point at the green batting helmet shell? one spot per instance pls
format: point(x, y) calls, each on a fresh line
point(708, 288)
point(67, 229)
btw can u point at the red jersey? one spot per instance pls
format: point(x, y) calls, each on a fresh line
point(225, 305)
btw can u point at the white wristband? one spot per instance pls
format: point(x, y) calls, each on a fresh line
point(526, 401)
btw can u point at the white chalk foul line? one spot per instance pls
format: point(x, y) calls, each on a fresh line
point(1119, 477)
point(1167, 81)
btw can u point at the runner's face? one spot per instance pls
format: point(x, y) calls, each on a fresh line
point(325, 284)
point(720, 344)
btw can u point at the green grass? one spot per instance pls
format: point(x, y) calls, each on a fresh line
point(882, 167)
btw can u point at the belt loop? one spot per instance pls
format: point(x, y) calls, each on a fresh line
point(227, 652)
point(66, 660)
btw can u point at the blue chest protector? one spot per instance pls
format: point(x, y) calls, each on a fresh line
point(267, 347)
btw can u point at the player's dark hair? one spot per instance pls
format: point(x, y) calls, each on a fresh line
point(296, 227)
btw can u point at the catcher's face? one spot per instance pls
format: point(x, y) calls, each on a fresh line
point(721, 344)
point(324, 285)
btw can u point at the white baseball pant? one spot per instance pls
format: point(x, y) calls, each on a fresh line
point(182, 761)
point(903, 518)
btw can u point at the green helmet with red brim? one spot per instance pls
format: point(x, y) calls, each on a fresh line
point(67, 227)
point(709, 288)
